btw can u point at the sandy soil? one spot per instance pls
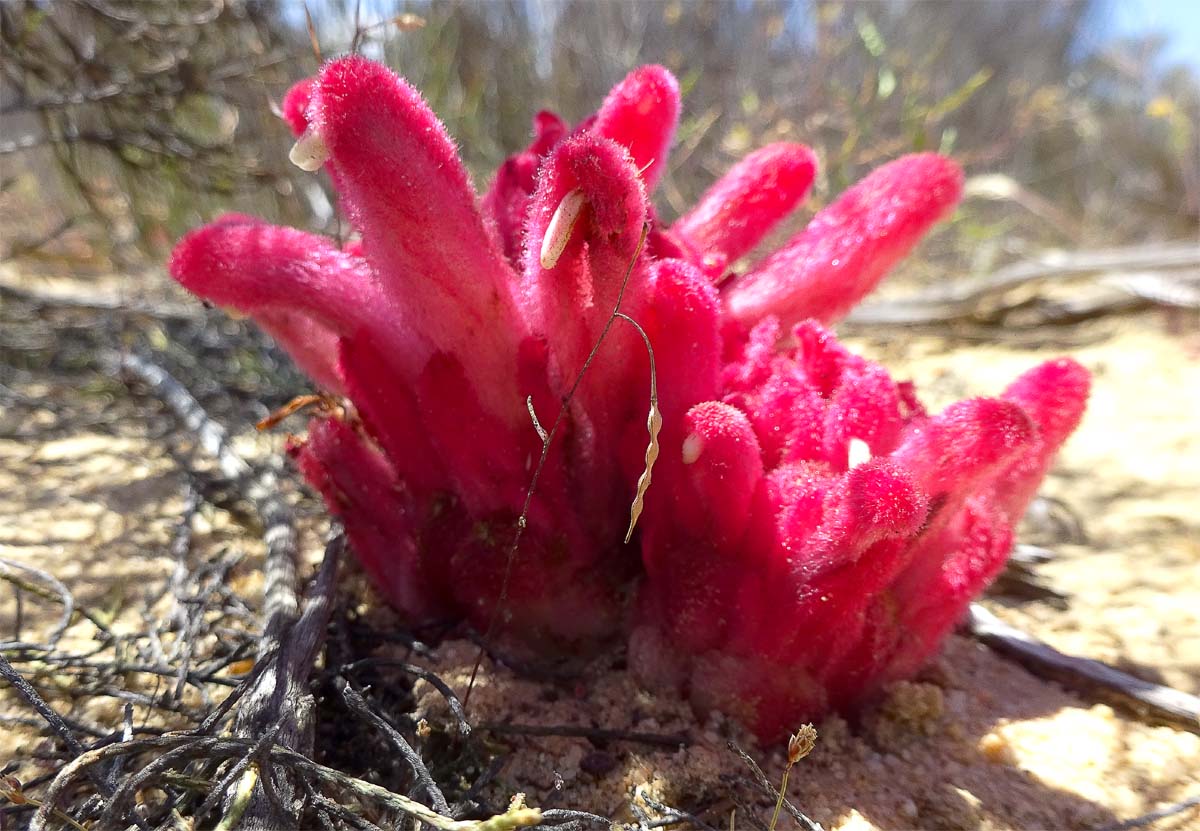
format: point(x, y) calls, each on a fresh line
point(89, 493)
point(975, 742)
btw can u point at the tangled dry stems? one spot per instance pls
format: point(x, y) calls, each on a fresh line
point(244, 757)
point(150, 777)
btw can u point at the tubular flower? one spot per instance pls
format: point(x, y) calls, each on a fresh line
point(811, 534)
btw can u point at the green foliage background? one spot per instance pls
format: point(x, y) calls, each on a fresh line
point(124, 123)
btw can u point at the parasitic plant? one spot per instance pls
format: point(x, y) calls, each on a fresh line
point(812, 533)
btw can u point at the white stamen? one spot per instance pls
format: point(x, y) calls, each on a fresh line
point(558, 232)
point(859, 453)
point(693, 446)
point(310, 151)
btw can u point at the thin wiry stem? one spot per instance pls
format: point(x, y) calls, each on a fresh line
point(765, 784)
point(653, 427)
point(523, 519)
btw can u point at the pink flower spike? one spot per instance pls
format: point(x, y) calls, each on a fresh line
point(788, 417)
point(254, 267)
point(295, 105)
point(475, 447)
point(312, 346)
point(360, 487)
point(826, 269)
point(595, 180)
point(864, 408)
point(404, 186)
point(750, 357)
point(507, 200)
point(591, 206)
point(1054, 395)
point(721, 470)
point(746, 203)
point(246, 264)
point(390, 413)
point(641, 114)
point(682, 321)
point(953, 450)
point(811, 534)
point(929, 601)
point(874, 501)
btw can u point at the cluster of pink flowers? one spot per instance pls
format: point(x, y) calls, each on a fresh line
point(811, 532)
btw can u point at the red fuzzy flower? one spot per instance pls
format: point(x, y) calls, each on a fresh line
point(811, 533)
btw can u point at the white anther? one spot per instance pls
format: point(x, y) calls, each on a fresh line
point(693, 446)
point(558, 232)
point(859, 453)
point(310, 151)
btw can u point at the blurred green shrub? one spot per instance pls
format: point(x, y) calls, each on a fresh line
point(157, 115)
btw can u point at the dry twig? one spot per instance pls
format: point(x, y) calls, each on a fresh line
point(280, 699)
point(765, 785)
point(181, 748)
point(1151, 701)
point(964, 299)
point(359, 706)
point(1154, 816)
point(673, 741)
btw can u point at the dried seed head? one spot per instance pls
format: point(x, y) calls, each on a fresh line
point(653, 426)
point(558, 232)
point(310, 151)
point(801, 743)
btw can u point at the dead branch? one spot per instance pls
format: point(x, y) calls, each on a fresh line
point(1020, 578)
point(184, 748)
point(572, 820)
point(280, 594)
point(280, 700)
point(1154, 816)
point(962, 299)
point(1158, 288)
point(671, 815)
point(359, 706)
point(57, 724)
point(673, 741)
point(98, 303)
point(1153, 702)
point(276, 693)
point(53, 590)
point(35, 700)
point(452, 700)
